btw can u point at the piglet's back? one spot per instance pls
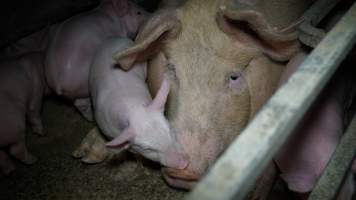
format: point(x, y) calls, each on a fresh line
point(107, 77)
point(115, 92)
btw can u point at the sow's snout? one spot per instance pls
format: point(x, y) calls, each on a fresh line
point(180, 178)
point(183, 174)
point(203, 149)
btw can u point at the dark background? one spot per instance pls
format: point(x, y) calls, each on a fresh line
point(19, 18)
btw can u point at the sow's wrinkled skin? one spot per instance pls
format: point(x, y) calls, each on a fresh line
point(227, 66)
point(72, 45)
point(125, 111)
point(306, 153)
point(22, 87)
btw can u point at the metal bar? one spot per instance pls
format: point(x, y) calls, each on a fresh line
point(319, 10)
point(329, 183)
point(242, 163)
point(309, 34)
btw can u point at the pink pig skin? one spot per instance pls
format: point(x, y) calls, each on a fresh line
point(73, 43)
point(304, 156)
point(22, 87)
point(125, 111)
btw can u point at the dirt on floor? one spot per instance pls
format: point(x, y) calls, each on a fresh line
point(57, 175)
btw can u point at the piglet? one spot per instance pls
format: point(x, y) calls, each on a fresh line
point(22, 87)
point(308, 150)
point(72, 45)
point(124, 109)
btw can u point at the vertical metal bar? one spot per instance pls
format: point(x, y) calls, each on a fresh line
point(242, 163)
point(329, 183)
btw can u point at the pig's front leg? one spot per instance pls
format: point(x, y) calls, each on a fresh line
point(6, 165)
point(92, 150)
point(85, 108)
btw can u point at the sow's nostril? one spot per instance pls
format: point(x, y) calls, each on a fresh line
point(183, 174)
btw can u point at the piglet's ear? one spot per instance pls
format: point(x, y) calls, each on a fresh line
point(123, 140)
point(159, 28)
point(160, 100)
point(121, 7)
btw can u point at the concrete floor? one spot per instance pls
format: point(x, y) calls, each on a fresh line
point(57, 175)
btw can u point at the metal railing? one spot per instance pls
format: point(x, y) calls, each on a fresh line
point(236, 171)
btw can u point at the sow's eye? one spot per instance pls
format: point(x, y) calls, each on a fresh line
point(237, 82)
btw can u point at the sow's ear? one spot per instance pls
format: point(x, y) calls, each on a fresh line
point(159, 28)
point(251, 27)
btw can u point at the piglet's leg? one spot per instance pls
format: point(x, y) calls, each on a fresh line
point(6, 165)
point(19, 151)
point(84, 107)
point(34, 110)
point(36, 122)
point(92, 149)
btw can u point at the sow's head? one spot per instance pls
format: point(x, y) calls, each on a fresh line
point(227, 62)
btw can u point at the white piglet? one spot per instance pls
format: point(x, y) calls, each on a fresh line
point(124, 109)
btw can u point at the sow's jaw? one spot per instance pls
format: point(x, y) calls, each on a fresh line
point(180, 178)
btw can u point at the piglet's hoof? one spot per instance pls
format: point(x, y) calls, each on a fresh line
point(41, 133)
point(8, 169)
point(92, 150)
point(79, 152)
point(30, 159)
point(39, 130)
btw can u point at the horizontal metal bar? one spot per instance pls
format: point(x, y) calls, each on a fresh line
point(242, 163)
point(329, 183)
